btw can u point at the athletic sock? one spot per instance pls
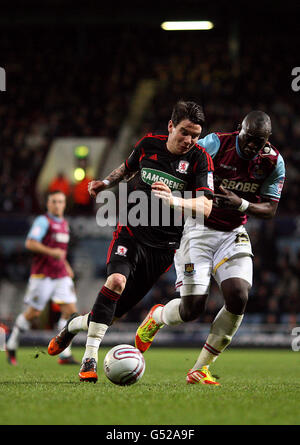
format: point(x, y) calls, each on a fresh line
point(95, 335)
point(222, 330)
point(79, 323)
point(168, 314)
point(101, 317)
point(157, 315)
point(104, 307)
point(61, 323)
point(21, 325)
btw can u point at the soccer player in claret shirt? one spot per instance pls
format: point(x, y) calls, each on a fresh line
point(249, 174)
point(51, 274)
point(138, 255)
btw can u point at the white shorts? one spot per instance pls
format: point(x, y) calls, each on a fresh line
point(206, 252)
point(41, 290)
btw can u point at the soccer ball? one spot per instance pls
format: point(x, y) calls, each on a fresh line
point(124, 365)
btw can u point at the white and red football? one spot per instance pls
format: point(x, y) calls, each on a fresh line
point(124, 365)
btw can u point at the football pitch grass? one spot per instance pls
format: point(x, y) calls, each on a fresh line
point(258, 387)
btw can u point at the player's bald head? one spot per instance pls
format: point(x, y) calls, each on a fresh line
point(257, 123)
point(254, 133)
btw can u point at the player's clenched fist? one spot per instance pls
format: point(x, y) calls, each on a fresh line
point(162, 191)
point(95, 187)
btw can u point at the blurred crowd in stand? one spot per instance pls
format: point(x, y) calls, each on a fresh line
point(57, 87)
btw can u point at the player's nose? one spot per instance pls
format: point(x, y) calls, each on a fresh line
point(251, 147)
point(188, 140)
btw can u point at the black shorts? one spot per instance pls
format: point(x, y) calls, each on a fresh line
point(142, 265)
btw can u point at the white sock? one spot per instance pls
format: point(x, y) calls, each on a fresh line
point(78, 324)
point(222, 330)
point(168, 314)
point(95, 335)
point(157, 315)
point(61, 323)
point(21, 325)
point(66, 353)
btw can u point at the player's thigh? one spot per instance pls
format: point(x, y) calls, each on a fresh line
point(122, 255)
point(151, 265)
point(194, 278)
point(64, 291)
point(235, 244)
point(194, 262)
point(38, 293)
point(239, 266)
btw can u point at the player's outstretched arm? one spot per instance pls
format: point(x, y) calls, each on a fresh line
point(116, 176)
point(37, 247)
point(194, 206)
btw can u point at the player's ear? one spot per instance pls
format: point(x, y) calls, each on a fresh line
point(170, 126)
point(239, 127)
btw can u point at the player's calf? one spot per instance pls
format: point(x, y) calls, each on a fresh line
point(192, 306)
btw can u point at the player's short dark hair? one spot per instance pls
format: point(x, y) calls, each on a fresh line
point(55, 192)
point(188, 110)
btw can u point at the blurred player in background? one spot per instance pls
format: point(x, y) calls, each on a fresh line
point(140, 254)
point(51, 274)
point(249, 176)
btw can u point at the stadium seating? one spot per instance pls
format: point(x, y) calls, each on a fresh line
point(57, 91)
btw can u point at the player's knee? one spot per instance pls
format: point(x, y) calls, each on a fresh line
point(116, 282)
point(236, 301)
point(67, 310)
point(31, 313)
point(192, 307)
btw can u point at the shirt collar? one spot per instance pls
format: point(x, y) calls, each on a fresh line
point(55, 218)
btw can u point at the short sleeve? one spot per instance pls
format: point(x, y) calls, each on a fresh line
point(132, 163)
point(273, 184)
point(39, 228)
point(204, 176)
point(211, 143)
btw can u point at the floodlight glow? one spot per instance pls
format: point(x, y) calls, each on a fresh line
point(79, 174)
point(187, 26)
point(81, 151)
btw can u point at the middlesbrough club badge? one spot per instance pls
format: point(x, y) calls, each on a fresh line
point(121, 250)
point(183, 167)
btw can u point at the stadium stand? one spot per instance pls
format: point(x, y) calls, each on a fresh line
point(58, 90)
